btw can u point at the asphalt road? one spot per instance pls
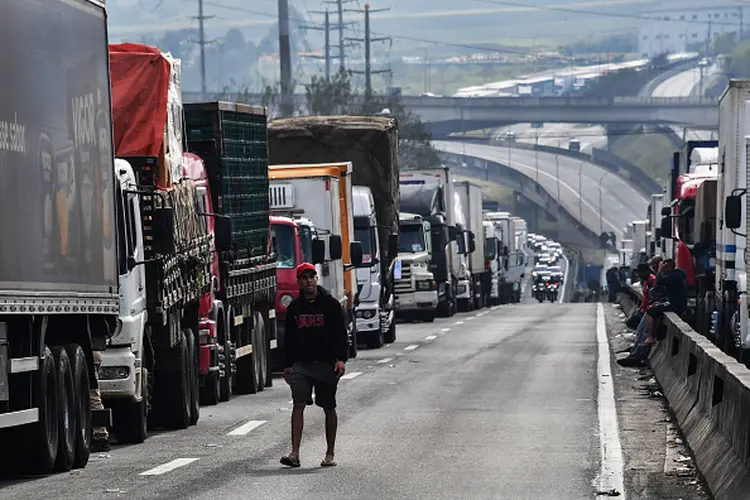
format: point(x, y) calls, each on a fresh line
point(685, 84)
point(498, 403)
point(621, 203)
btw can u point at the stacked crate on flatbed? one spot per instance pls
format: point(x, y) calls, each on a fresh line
point(232, 140)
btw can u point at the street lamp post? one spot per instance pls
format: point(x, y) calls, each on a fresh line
point(557, 176)
point(580, 192)
point(536, 157)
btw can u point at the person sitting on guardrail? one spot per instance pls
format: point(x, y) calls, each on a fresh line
point(669, 294)
point(639, 351)
point(656, 263)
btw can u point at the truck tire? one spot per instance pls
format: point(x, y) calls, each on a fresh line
point(83, 427)
point(211, 389)
point(428, 316)
point(41, 441)
point(66, 409)
point(193, 368)
point(175, 388)
point(261, 342)
point(130, 419)
point(225, 385)
point(390, 336)
point(247, 376)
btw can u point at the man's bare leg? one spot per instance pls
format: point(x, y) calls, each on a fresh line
point(298, 423)
point(332, 422)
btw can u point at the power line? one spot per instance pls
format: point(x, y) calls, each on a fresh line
point(152, 10)
point(598, 13)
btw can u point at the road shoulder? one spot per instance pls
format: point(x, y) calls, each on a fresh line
point(657, 463)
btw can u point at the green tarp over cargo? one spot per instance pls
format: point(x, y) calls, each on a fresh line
point(369, 142)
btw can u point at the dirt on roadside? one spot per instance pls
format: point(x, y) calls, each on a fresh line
point(658, 464)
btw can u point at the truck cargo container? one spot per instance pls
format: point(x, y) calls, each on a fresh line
point(477, 296)
point(60, 253)
point(370, 143)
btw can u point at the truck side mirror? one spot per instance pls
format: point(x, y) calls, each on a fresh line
point(163, 224)
point(666, 227)
point(355, 253)
point(472, 242)
point(335, 250)
point(392, 245)
point(666, 210)
point(657, 234)
point(222, 233)
point(491, 248)
point(733, 212)
point(453, 233)
point(318, 251)
point(505, 250)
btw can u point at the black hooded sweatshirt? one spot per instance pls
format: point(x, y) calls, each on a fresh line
point(315, 330)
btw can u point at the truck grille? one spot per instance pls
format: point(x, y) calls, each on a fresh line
point(404, 284)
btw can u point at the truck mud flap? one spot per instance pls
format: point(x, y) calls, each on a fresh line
point(101, 418)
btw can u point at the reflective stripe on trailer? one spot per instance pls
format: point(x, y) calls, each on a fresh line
point(273, 344)
point(21, 365)
point(244, 351)
point(21, 417)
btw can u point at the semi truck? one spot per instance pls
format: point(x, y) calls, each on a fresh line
point(477, 294)
point(417, 290)
point(323, 193)
point(515, 264)
point(429, 194)
point(370, 143)
point(60, 250)
point(238, 333)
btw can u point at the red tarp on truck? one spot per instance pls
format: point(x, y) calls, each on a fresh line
point(140, 86)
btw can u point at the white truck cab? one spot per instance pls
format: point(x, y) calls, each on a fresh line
point(414, 283)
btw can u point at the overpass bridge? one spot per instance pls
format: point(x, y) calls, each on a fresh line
point(446, 115)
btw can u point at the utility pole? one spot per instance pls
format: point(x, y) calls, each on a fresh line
point(327, 29)
point(202, 42)
point(340, 27)
point(368, 72)
point(285, 60)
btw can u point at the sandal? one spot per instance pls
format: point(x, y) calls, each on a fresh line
point(290, 461)
point(328, 462)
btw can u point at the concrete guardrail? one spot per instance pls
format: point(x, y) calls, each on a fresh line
point(709, 394)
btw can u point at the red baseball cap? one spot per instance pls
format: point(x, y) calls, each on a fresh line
point(306, 267)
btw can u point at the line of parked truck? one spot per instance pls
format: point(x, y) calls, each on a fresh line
point(149, 244)
point(701, 221)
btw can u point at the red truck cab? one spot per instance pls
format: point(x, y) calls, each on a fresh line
point(212, 322)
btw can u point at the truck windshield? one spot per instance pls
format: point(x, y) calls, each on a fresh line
point(364, 236)
point(305, 242)
point(410, 238)
point(286, 256)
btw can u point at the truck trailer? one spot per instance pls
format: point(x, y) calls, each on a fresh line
point(60, 254)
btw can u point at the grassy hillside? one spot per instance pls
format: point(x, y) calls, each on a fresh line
point(651, 153)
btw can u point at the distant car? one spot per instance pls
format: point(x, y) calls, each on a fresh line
point(574, 145)
point(555, 271)
point(539, 268)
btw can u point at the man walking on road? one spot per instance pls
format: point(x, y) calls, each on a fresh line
point(315, 353)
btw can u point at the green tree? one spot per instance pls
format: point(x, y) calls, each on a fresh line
point(338, 97)
point(740, 65)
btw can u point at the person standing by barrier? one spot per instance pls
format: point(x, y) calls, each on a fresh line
point(613, 283)
point(316, 350)
point(639, 351)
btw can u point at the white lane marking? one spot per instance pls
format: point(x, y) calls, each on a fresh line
point(446, 330)
point(411, 347)
point(168, 467)
point(430, 337)
point(246, 427)
point(458, 323)
point(611, 472)
point(350, 375)
point(565, 278)
point(470, 318)
point(384, 360)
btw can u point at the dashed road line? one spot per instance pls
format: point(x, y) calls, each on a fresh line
point(445, 330)
point(246, 427)
point(470, 318)
point(458, 323)
point(411, 347)
point(430, 337)
point(168, 467)
point(351, 375)
point(384, 360)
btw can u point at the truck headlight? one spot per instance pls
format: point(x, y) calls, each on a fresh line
point(425, 285)
point(286, 299)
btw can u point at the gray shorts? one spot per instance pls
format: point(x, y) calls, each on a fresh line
point(319, 375)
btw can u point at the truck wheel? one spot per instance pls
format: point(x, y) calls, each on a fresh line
point(390, 336)
point(225, 385)
point(175, 388)
point(428, 316)
point(130, 419)
point(83, 427)
point(211, 389)
point(261, 342)
point(247, 377)
point(66, 407)
point(41, 440)
point(193, 363)
point(377, 339)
